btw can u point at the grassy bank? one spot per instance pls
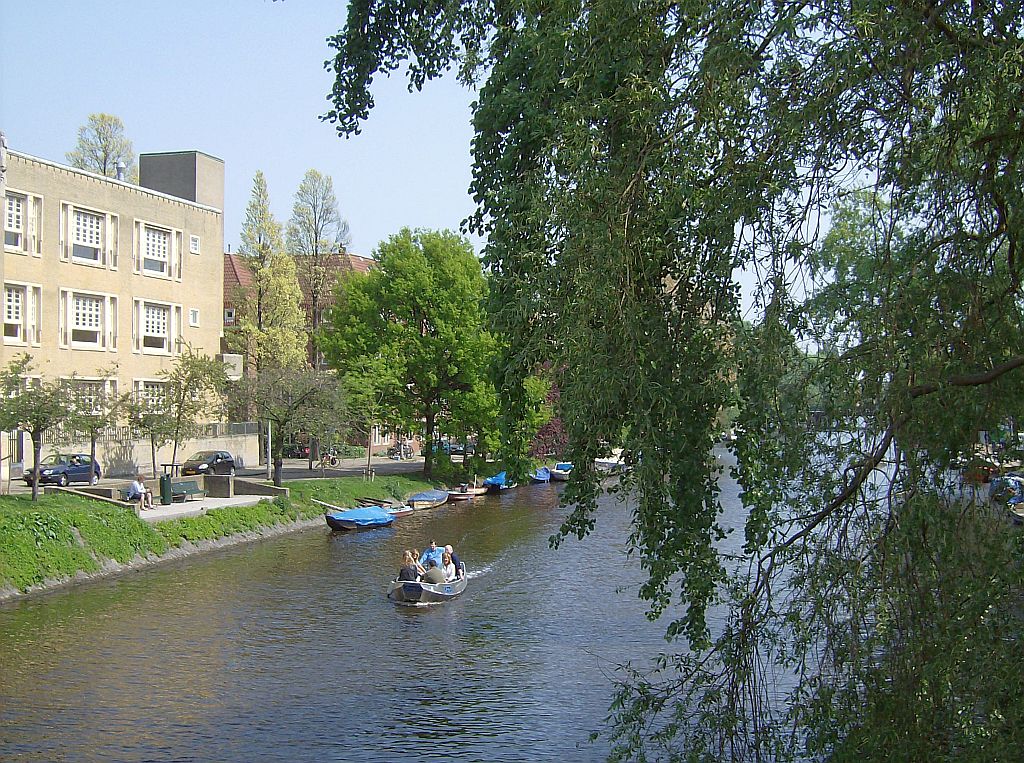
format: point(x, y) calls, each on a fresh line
point(60, 536)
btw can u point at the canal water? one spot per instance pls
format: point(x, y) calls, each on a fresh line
point(288, 650)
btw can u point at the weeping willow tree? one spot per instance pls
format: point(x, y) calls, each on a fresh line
point(861, 160)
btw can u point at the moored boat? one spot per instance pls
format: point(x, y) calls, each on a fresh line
point(400, 511)
point(466, 492)
point(419, 592)
point(362, 518)
point(428, 499)
point(542, 474)
point(560, 472)
point(498, 482)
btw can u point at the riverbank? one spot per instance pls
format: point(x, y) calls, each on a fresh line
point(64, 540)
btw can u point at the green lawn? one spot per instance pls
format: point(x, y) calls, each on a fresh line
point(61, 534)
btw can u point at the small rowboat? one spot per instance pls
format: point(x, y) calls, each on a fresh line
point(543, 474)
point(428, 499)
point(362, 518)
point(466, 492)
point(418, 592)
point(560, 472)
point(400, 511)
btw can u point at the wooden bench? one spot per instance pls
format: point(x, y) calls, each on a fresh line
point(183, 491)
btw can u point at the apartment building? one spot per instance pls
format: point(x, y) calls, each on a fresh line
point(106, 280)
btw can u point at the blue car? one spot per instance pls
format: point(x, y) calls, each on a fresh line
point(62, 468)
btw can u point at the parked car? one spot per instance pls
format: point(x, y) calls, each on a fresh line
point(295, 450)
point(209, 462)
point(62, 468)
point(462, 449)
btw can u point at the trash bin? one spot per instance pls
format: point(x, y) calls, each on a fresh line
point(165, 489)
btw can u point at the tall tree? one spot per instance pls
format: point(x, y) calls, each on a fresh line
point(420, 310)
point(102, 146)
point(193, 387)
point(294, 400)
point(270, 324)
point(628, 157)
point(317, 235)
point(33, 404)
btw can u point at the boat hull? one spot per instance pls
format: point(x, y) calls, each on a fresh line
point(560, 472)
point(412, 592)
point(338, 523)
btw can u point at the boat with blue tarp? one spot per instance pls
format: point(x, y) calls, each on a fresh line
point(362, 518)
point(428, 499)
point(560, 472)
point(498, 482)
point(542, 474)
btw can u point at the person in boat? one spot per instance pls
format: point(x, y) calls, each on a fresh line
point(434, 552)
point(409, 569)
point(448, 568)
point(455, 560)
point(416, 559)
point(434, 573)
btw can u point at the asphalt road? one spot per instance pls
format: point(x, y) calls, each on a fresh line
point(293, 469)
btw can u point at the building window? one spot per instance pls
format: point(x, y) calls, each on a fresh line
point(14, 221)
point(88, 237)
point(229, 316)
point(14, 313)
point(21, 313)
point(157, 251)
point(88, 321)
point(150, 394)
point(193, 317)
point(21, 215)
point(193, 244)
point(93, 396)
point(157, 327)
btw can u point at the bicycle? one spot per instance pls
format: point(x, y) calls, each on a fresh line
point(328, 461)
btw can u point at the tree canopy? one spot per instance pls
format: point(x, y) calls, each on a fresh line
point(419, 315)
point(629, 157)
point(102, 145)
point(270, 324)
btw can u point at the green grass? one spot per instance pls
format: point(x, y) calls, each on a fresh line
point(62, 534)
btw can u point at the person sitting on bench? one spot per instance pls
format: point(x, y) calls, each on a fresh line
point(137, 491)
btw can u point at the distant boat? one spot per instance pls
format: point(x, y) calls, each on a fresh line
point(362, 518)
point(418, 592)
point(498, 482)
point(428, 499)
point(560, 472)
point(543, 474)
point(611, 465)
point(466, 492)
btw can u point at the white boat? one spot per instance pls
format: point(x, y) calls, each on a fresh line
point(418, 592)
point(466, 492)
point(560, 472)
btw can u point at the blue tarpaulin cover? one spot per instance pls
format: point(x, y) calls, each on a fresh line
point(428, 495)
point(366, 516)
point(497, 479)
point(543, 474)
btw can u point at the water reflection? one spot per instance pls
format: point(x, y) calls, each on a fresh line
point(289, 650)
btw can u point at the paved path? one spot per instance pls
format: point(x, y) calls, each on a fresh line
point(293, 469)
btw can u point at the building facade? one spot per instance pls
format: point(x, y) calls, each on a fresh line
point(106, 281)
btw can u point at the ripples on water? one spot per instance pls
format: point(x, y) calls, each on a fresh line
point(289, 650)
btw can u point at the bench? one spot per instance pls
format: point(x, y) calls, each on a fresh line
point(183, 491)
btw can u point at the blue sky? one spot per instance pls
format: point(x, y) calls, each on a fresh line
point(242, 80)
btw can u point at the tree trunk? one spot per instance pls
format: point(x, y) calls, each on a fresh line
point(37, 449)
point(277, 450)
point(428, 456)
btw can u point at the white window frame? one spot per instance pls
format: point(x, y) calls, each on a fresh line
point(107, 387)
point(194, 244)
point(106, 331)
point(108, 231)
point(142, 387)
point(229, 316)
point(172, 337)
point(30, 224)
point(172, 271)
point(29, 313)
point(193, 317)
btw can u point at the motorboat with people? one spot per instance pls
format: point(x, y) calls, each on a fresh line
point(421, 592)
